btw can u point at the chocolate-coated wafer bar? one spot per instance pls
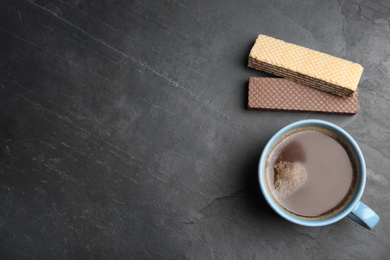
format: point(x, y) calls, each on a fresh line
point(285, 95)
point(305, 66)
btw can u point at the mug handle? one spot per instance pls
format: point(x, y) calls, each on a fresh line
point(364, 216)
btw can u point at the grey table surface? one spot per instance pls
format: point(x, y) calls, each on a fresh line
point(124, 132)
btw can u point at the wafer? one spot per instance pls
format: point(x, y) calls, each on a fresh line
point(305, 66)
point(284, 95)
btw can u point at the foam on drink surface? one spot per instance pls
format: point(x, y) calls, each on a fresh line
point(289, 177)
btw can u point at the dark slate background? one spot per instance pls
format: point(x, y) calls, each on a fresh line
point(124, 133)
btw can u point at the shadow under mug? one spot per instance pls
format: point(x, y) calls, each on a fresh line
point(355, 209)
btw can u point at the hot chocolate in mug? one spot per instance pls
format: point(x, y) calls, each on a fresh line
point(313, 173)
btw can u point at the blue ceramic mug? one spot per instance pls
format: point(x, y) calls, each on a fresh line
point(355, 209)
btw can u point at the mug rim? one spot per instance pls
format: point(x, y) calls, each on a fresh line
point(361, 166)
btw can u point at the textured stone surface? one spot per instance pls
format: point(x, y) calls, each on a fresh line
point(124, 133)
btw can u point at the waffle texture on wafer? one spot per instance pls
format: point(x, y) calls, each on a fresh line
point(284, 95)
point(305, 66)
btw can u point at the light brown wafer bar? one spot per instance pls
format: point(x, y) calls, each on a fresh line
point(284, 95)
point(305, 66)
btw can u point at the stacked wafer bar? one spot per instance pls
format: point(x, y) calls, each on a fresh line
point(285, 95)
point(305, 66)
